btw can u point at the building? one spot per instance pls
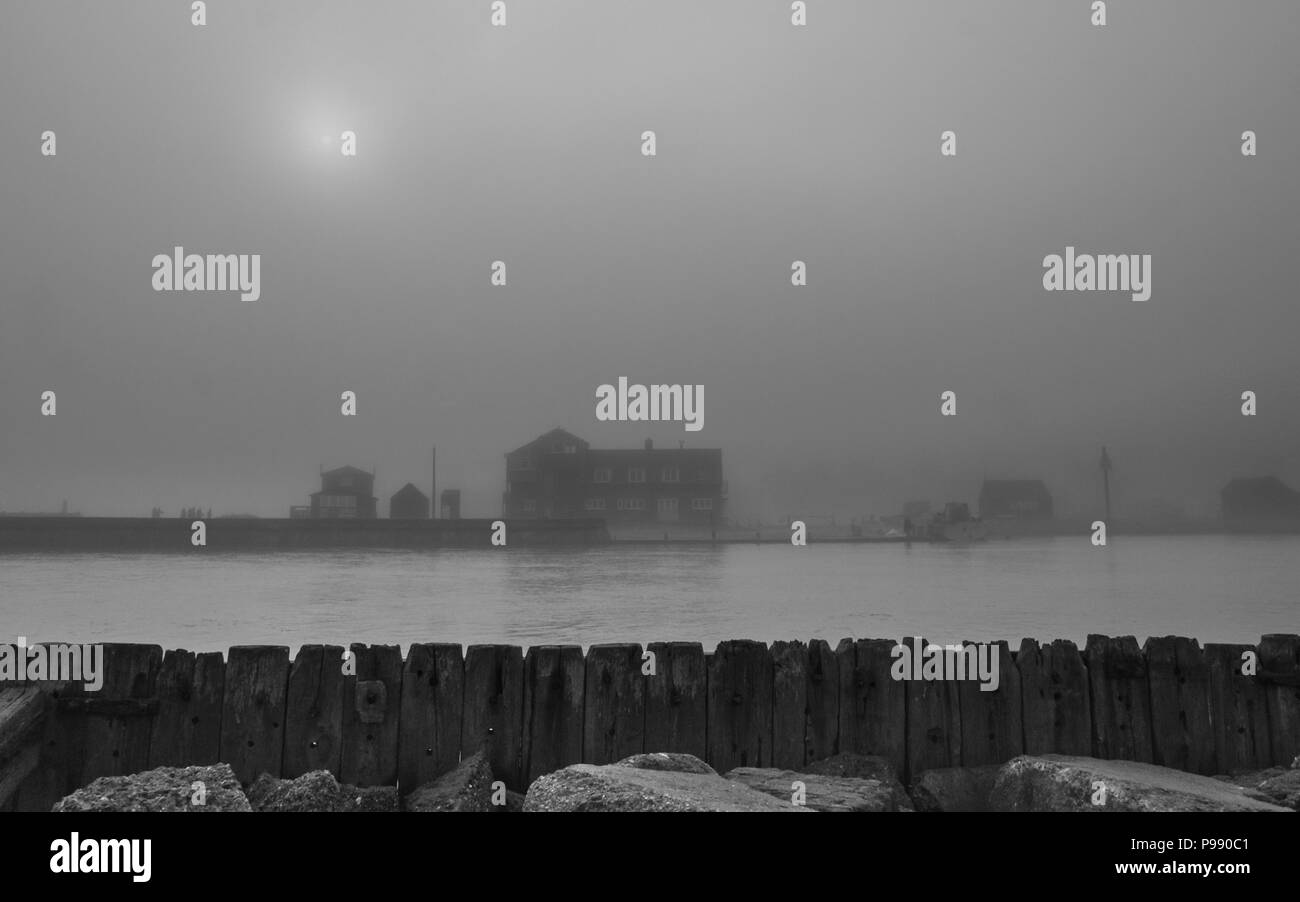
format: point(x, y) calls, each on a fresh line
point(1021, 499)
point(449, 508)
point(300, 512)
point(1260, 504)
point(560, 475)
point(345, 492)
point(408, 503)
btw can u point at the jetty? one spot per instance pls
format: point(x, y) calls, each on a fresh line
point(404, 720)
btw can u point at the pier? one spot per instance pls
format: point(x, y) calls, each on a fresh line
point(404, 720)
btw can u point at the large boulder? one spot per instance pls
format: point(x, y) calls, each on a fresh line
point(1278, 785)
point(318, 791)
point(613, 787)
point(466, 788)
point(955, 788)
point(673, 761)
point(1067, 783)
point(822, 793)
point(162, 789)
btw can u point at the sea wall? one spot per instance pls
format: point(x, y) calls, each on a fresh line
point(397, 720)
point(174, 534)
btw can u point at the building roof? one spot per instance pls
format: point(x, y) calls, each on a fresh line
point(347, 471)
point(555, 435)
point(410, 489)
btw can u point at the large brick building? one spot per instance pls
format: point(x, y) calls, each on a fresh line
point(560, 475)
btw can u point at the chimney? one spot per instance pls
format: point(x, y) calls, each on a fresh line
point(649, 444)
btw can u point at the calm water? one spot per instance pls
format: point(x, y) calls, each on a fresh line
point(1214, 588)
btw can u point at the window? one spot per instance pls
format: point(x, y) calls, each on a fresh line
point(602, 474)
point(636, 474)
point(670, 474)
point(631, 504)
point(595, 504)
point(529, 506)
point(701, 504)
point(667, 505)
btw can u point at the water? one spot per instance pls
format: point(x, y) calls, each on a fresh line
point(1213, 588)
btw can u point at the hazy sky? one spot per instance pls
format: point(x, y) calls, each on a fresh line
point(523, 144)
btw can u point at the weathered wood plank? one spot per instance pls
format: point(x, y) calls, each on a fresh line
point(554, 687)
point(676, 700)
point(372, 716)
point(22, 719)
point(315, 703)
point(615, 704)
point(823, 731)
point(1279, 671)
point(1179, 680)
point(253, 711)
point(789, 704)
point(187, 727)
point(1120, 696)
point(493, 709)
point(120, 744)
point(433, 690)
point(740, 706)
point(992, 730)
point(1238, 711)
point(1054, 695)
point(873, 705)
point(933, 711)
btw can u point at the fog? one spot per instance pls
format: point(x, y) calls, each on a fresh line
point(523, 144)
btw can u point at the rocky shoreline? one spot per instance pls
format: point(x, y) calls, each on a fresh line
point(667, 781)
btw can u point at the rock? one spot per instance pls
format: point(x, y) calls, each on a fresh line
point(1067, 783)
point(514, 800)
point(955, 788)
point(613, 787)
point(161, 789)
point(467, 788)
point(671, 761)
point(848, 764)
point(822, 793)
point(1276, 785)
point(318, 791)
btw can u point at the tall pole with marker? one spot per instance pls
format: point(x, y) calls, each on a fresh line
point(433, 484)
point(1105, 478)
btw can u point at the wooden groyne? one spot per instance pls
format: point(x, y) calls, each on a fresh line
point(407, 720)
point(253, 533)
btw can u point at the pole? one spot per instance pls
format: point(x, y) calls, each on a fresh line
point(433, 484)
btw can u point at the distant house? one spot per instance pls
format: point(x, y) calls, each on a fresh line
point(560, 475)
point(1022, 499)
point(408, 503)
point(1260, 503)
point(345, 492)
point(450, 506)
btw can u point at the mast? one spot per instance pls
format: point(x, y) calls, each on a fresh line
point(1105, 477)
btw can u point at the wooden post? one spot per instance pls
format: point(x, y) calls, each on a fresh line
point(252, 715)
point(313, 738)
point(372, 716)
point(1054, 694)
point(187, 727)
point(554, 678)
point(873, 705)
point(933, 718)
point(1181, 732)
point(740, 706)
point(433, 689)
point(1279, 671)
point(615, 704)
point(1121, 711)
point(992, 730)
point(676, 704)
point(493, 712)
point(789, 704)
point(823, 731)
point(1238, 711)
point(117, 740)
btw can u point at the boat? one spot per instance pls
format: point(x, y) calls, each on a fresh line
point(956, 524)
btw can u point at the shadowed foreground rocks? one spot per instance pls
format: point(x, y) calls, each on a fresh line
point(955, 788)
point(318, 791)
point(617, 787)
point(1277, 785)
point(466, 788)
point(162, 789)
point(1066, 783)
point(823, 793)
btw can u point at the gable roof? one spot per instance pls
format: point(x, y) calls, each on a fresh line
point(346, 471)
point(410, 489)
point(555, 435)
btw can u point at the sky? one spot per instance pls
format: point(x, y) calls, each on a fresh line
point(523, 144)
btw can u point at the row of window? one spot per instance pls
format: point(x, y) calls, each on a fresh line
point(635, 475)
point(666, 505)
point(338, 500)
